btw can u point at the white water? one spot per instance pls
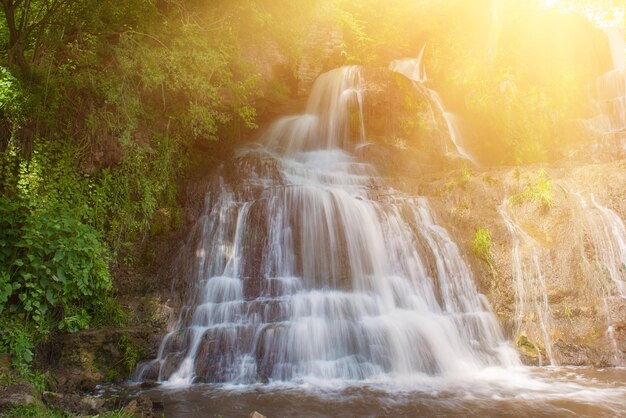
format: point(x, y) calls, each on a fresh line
point(413, 69)
point(532, 311)
point(308, 270)
point(608, 234)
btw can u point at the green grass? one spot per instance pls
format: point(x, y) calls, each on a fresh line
point(40, 411)
point(539, 190)
point(34, 411)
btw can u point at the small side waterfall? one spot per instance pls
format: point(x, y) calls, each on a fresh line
point(308, 267)
point(608, 91)
point(413, 69)
point(532, 311)
point(608, 235)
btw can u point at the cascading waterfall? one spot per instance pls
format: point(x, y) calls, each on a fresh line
point(532, 311)
point(308, 268)
point(414, 70)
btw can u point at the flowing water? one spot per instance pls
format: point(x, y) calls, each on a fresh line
point(316, 290)
point(413, 69)
point(608, 236)
point(532, 311)
point(309, 268)
point(608, 233)
point(608, 91)
point(531, 392)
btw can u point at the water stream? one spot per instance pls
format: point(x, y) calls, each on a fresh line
point(532, 311)
point(414, 70)
point(608, 236)
point(608, 91)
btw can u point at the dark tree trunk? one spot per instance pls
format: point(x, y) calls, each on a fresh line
point(17, 38)
point(5, 133)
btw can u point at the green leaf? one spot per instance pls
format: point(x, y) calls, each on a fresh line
point(50, 298)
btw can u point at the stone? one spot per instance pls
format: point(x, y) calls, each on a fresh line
point(76, 404)
point(256, 414)
point(149, 384)
point(140, 406)
point(18, 394)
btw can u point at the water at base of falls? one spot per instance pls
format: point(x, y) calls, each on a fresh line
point(532, 392)
point(306, 268)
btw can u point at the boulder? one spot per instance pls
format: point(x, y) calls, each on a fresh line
point(18, 393)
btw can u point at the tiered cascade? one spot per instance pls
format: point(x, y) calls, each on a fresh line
point(305, 266)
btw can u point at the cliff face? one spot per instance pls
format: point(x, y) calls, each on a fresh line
point(549, 280)
point(555, 270)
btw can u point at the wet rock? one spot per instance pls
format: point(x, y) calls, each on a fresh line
point(149, 384)
point(219, 349)
point(571, 354)
point(141, 406)
point(262, 379)
point(149, 371)
point(18, 394)
point(407, 132)
point(87, 358)
point(171, 364)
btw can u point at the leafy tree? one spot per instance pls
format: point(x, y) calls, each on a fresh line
point(27, 21)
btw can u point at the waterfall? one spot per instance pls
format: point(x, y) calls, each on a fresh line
point(608, 235)
point(532, 311)
point(608, 91)
point(309, 267)
point(411, 68)
point(414, 70)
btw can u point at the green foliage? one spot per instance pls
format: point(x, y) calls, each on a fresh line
point(118, 414)
point(13, 101)
point(17, 339)
point(131, 354)
point(481, 245)
point(466, 175)
point(53, 271)
point(125, 200)
point(374, 32)
point(34, 411)
point(40, 411)
point(539, 190)
point(461, 180)
point(100, 105)
point(526, 347)
point(514, 83)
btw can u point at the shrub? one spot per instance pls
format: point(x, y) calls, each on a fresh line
point(481, 245)
point(539, 190)
point(53, 274)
